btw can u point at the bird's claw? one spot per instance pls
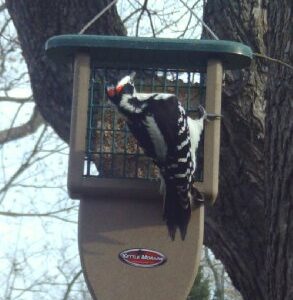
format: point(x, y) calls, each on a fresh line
point(208, 116)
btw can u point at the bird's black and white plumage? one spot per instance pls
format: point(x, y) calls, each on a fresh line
point(159, 123)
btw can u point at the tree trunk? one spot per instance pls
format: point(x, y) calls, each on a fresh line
point(279, 153)
point(36, 21)
point(235, 225)
point(250, 227)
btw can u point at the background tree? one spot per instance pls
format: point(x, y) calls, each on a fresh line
point(201, 288)
point(250, 227)
point(218, 278)
point(33, 262)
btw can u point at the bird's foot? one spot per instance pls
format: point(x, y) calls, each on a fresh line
point(197, 198)
point(207, 116)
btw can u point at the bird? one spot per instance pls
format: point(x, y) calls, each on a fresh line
point(160, 124)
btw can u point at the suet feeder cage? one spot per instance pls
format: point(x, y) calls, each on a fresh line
point(124, 246)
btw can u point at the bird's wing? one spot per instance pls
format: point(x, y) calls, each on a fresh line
point(156, 127)
point(165, 114)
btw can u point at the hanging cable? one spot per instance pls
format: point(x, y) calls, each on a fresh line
point(200, 20)
point(92, 21)
point(259, 55)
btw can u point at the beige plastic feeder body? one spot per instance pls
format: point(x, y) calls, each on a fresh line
point(124, 246)
point(210, 183)
point(117, 215)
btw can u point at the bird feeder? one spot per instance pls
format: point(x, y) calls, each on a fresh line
point(125, 250)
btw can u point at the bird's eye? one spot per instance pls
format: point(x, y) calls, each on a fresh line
point(128, 89)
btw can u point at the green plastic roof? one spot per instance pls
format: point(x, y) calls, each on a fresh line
point(121, 51)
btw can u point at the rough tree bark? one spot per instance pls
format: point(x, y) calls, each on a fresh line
point(36, 21)
point(279, 153)
point(250, 227)
point(235, 225)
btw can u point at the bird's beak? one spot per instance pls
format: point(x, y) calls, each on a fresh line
point(132, 75)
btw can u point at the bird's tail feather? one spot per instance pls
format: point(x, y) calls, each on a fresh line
point(175, 215)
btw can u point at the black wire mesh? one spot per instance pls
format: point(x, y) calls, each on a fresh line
point(111, 150)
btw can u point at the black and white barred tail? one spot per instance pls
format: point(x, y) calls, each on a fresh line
point(175, 215)
point(178, 176)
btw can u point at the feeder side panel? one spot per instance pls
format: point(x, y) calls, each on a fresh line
point(78, 123)
point(212, 129)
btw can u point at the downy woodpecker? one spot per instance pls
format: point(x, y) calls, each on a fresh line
point(167, 135)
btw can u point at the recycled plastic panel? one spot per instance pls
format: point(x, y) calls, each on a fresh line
point(107, 228)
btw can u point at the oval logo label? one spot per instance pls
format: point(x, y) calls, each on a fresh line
point(143, 258)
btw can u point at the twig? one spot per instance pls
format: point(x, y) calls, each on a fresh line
point(70, 285)
point(273, 59)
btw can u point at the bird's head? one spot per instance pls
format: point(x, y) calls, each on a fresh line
point(124, 86)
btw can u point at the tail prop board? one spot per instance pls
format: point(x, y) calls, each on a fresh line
point(126, 252)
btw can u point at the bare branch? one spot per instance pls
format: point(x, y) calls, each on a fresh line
point(5, 25)
point(2, 7)
point(151, 22)
point(218, 275)
point(16, 99)
point(48, 214)
point(70, 285)
point(24, 165)
point(130, 15)
point(26, 129)
point(143, 8)
point(201, 20)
